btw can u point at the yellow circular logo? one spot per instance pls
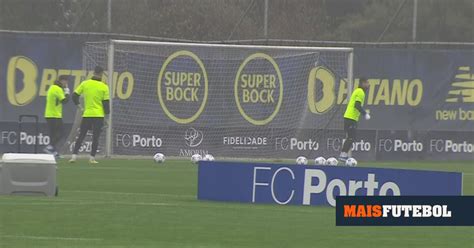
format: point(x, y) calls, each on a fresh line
point(182, 84)
point(255, 88)
point(321, 96)
point(29, 72)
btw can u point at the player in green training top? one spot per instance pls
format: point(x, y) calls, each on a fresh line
point(351, 116)
point(58, 94)
point(96, 106)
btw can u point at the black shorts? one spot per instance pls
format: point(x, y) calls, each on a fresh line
point(92, 123)
point(54, 123)
point(350, 127)
point(55, 126)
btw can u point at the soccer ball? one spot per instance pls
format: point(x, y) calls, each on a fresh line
point(208, 157)
point(301, 160)
point(351, 162)
point(196, 158)
point(320, 161)
point(159, 158)
point(332, 161)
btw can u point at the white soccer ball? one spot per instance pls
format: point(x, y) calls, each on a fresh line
point(196, 158)
point(351, 162)
point(159, 158)
point(301, 160)
point(320, 161)
point(332, 161)
point(208, 157)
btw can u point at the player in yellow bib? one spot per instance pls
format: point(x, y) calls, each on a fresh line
point(96, 106)
point(58, 94)
point(351, 116)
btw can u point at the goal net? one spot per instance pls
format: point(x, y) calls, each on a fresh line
point(230, 101)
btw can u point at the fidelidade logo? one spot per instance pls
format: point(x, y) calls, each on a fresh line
point(462, 87)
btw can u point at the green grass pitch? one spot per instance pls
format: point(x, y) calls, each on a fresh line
point(137, 203)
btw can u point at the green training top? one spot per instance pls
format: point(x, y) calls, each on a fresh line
point(54, 106)
point(94, 93)
point(351, 112)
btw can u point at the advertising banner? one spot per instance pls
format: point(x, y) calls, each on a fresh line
point(11, 137)
point(238, 142)
point(432, 145)
point(29, 65)
point(418, 89)
point(315, 185)
point(249, 102)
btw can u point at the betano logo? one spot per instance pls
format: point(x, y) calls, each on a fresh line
point(28, 89)
point(326, 96)
point(324, 91)
point(25, 81)
point(461, 92)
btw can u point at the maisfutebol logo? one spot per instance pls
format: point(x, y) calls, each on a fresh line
point(462, 87)
point(388, 211)
point(404, 210)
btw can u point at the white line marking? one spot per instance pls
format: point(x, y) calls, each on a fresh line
point(127, 193)
point(196, 204)
point(48, 238)
point(122, 168)
point(236, 207)
point(74, 203)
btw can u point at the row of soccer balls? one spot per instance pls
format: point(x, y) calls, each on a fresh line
point(301, 160)
point(322, 161)
point(160, 158)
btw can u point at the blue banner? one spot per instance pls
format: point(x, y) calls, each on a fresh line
point(418, 89)
point(421, 101)
point(410, 89)
point(315, 185)
point(29, 65)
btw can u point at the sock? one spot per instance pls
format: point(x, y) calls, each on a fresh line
point(343, 155)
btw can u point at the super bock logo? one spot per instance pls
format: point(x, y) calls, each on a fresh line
point(193, 137)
